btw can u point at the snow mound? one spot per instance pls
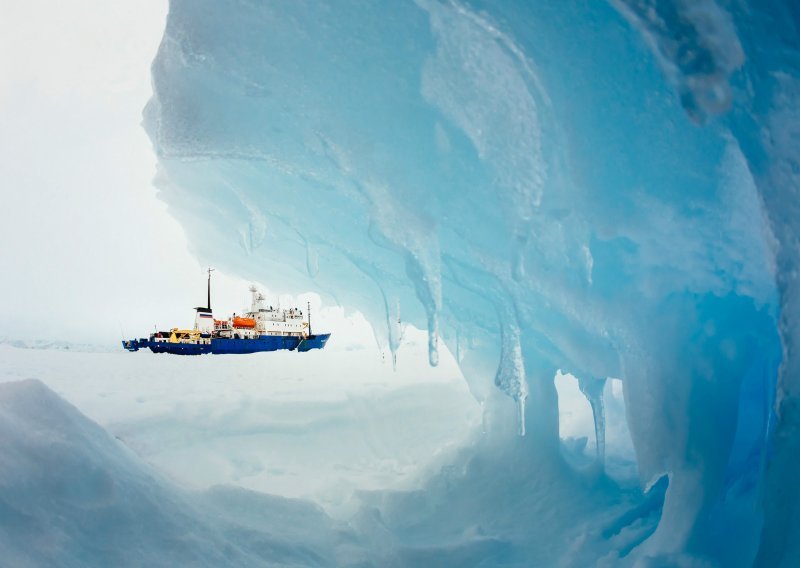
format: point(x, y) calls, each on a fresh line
point(72, 495)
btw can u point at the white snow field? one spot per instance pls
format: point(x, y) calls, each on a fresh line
point(321, 458)
point(73, 495)
point(318, 424)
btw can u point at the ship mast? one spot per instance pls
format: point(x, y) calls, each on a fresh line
point(210, 270)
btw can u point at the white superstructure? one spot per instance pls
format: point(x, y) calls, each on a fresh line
point(273, 320)
point(204, 320)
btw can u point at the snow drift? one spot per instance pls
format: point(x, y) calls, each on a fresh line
point(605, 189)
point(72, 495)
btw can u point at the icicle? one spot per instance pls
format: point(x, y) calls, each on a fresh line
point(592, 389)
point(428, 285)
point(433, 339)
point(521, 414)
point(510, 377)
point(412, 232)
point(395, 332)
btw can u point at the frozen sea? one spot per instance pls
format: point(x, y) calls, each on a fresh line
point(316, 425)
point(330, 435)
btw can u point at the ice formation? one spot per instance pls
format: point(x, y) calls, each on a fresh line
point(609, 189)
point(593, 389)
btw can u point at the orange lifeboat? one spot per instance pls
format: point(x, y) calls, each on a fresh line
point(249, 323)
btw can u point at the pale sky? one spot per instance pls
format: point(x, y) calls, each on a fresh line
point(88, 251)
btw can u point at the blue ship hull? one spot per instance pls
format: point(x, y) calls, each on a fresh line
point(220, 346)
point(223, 346)
point(177, 348)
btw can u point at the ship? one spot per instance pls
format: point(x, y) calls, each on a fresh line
point(263, 328)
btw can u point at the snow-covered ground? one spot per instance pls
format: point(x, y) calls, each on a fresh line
point(241, 451)
point(73, 495)
point(317, 425)
point(320, 424)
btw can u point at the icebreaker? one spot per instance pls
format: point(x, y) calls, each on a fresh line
point(608, 189)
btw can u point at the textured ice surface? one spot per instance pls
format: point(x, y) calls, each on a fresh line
point(609, 189)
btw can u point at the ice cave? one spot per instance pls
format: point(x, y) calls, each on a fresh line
point(591, 201)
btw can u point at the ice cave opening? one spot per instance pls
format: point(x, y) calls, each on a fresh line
point(590, 209)
point(605, 189)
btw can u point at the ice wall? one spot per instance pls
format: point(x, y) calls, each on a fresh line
point(603, 188)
